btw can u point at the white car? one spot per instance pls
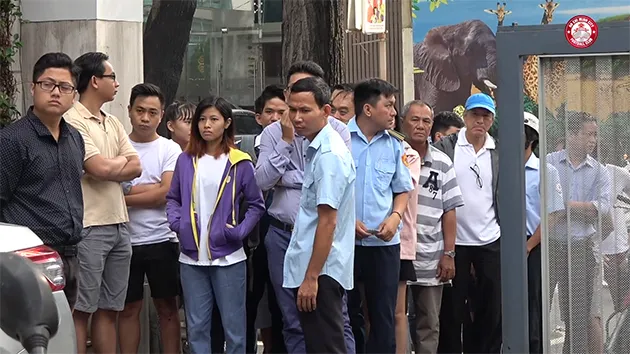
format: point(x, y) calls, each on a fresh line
point(23, 241)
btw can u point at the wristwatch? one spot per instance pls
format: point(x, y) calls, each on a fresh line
point(450, 254)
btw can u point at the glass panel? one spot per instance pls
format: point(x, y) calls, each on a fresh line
point(584, 106)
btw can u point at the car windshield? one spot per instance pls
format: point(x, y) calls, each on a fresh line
point(245, 123)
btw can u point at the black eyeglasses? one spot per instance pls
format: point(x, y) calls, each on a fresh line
point(475, 169)
point(49, 86)
point(111, 76)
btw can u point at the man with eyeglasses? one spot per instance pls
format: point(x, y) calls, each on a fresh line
point(475, 157)
point(41, 159)
point(105, 253)
point(342, 102)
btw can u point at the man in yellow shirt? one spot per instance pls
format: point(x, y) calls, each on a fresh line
point(105, 251)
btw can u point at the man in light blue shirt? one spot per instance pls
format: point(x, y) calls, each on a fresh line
point(280, 167)
point(555, 203)
point(382, 186)
point(318, 262)
point(572, 264)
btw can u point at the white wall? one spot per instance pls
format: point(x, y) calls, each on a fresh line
point(78, 26)
point(58, 10)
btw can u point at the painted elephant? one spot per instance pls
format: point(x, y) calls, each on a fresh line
point(453, 59)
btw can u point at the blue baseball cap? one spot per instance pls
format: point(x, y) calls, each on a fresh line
point(480, 100)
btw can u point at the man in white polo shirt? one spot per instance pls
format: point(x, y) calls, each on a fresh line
point(477, 244)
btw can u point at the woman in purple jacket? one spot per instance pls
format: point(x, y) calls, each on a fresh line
point(211, 179)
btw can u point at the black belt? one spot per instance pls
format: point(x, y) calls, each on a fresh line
point(66, 251)
point(280, 225)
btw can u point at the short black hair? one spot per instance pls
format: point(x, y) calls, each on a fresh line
point(306, 67)
point(315, 85)
point(270, 92)
point(343, 88)
point(180, 110)
point(146, 90)
point(531, 137)
point(90, 64)
point(444, 120)
point(576, 121)
point(370, 91)
point(56, 60)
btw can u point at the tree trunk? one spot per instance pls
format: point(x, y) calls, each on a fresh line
point(166, 36)
point(315, 30)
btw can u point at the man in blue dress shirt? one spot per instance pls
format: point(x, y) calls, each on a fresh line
point(280, 166)
point(555, 204)
point(382, 185)
point(319, 259)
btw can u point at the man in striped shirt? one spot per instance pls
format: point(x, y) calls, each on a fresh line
point(436, 195)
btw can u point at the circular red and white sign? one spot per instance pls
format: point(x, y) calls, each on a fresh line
point(581, 31)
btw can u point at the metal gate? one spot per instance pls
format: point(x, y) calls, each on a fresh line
point(583, 98)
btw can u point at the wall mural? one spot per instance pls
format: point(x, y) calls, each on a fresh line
point(455, 46)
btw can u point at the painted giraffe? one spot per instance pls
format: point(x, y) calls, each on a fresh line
point(530, 67)
point(500, 12)
point(549, 6)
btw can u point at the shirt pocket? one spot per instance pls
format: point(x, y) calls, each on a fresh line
point(309, 195)
point(385, 169)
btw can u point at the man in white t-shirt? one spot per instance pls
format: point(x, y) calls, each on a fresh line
point(155, 247)
point(476, 161)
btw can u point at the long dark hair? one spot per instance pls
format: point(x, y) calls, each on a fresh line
point(197, 145)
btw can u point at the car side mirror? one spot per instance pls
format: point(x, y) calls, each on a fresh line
point(27, 309)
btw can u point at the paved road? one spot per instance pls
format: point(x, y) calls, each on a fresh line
point(557, 326)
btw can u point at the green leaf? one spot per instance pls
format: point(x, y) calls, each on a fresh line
point(432, 6)
point(445, 2)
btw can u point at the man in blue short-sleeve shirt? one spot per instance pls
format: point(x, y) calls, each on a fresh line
point(382, 186)
point(318, 261)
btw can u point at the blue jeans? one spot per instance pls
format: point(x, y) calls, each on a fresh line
point(277, 242)
point(202, 286)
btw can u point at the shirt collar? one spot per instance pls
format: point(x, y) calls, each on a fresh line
point(588, 161)
point(317, 142)
point(353, 127)
point(427, 160)
point(533, 162)
point(85, 113)
point(41, 129)
point(488, 145)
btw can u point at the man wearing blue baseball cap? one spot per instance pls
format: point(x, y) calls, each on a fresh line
point(475, 157)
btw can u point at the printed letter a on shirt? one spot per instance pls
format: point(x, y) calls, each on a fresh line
point(432, 181)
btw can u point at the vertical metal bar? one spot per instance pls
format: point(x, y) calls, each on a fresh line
point(512, 197)
point(382, 56)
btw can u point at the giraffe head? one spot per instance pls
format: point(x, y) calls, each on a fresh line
point(549, 6)
point(500, 12)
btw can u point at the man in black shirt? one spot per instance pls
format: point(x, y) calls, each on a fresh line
point(41, 159)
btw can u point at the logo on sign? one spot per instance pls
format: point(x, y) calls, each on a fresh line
point(581, 31)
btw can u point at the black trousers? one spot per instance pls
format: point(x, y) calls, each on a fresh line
point(357, 320)
point(575, 288)
point(324, 328)
point(378, 270)
point(534, 297)
point(486, 336)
